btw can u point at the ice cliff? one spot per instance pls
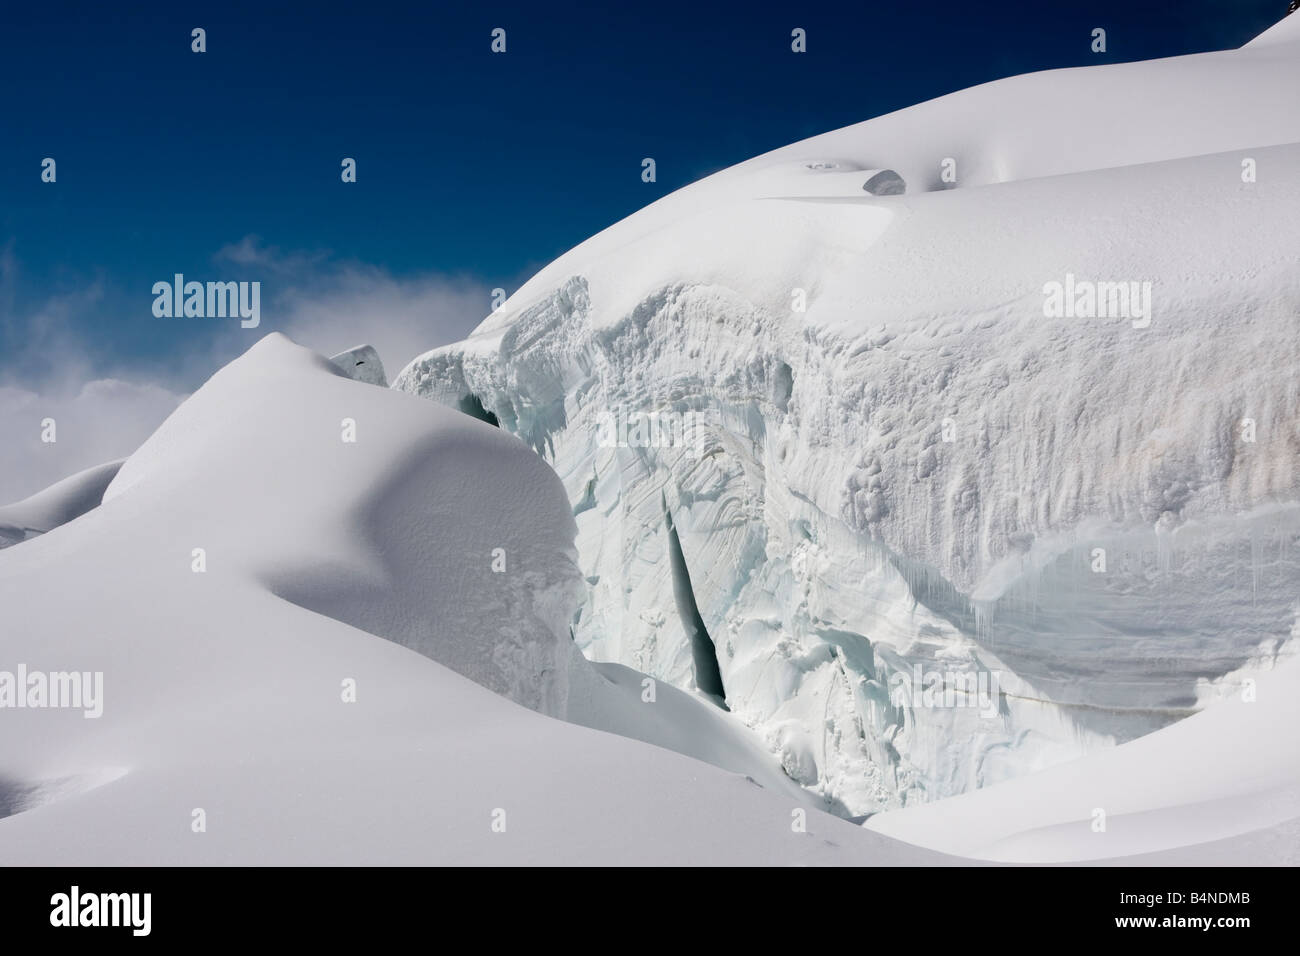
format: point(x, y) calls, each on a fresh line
point(887, 469)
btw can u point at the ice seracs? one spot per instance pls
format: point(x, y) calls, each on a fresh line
point(901, 460)
point(363, 364)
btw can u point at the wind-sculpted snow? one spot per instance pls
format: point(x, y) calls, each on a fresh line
point(894, 461)
point(249, 599)
point(56, 505)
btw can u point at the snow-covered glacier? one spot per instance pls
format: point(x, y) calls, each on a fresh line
point(957, 483)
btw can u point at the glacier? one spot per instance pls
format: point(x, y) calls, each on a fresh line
point(807, 490)
point(840, 434)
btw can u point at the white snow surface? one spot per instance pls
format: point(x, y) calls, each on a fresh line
point(326, 562)
point(880, 454)
point(1224, 784)
point(55, 505)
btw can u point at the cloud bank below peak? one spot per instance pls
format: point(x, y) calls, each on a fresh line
point(105, 404)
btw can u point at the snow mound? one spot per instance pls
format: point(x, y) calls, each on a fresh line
point(56, 505)
point(430, 541)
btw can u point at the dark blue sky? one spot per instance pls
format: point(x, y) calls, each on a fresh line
point(470, 164)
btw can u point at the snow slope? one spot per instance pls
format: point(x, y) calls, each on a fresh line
point(335, 568)
point(55, 505)
point(1237, 773)
point(882, 459)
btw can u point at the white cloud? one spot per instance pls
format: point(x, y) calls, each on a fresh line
point(104, 408)
point(400, 318)
point(98, 422)
point(331, 306)
point(250, 251)
point(51, 375)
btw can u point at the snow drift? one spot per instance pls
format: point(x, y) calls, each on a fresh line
point(56, 505)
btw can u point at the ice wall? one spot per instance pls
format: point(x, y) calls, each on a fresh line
point(941, 531)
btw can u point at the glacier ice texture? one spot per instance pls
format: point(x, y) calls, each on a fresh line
point(888, 471)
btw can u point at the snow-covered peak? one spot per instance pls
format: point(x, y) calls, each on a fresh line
point(1284, 33)
point(1023, 127)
